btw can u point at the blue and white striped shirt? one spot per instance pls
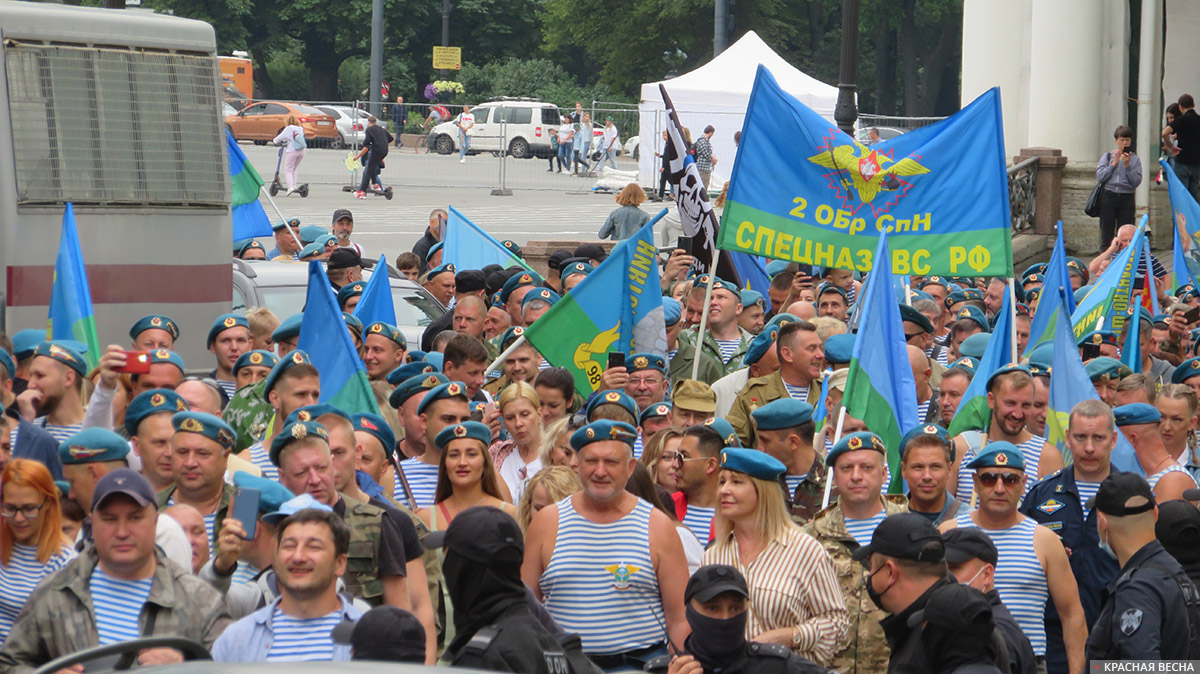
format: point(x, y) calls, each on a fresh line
point(20, 577)
point(1152, 480)
point(638, 447)
point(728, 348)
point(261, 458)
point(60, 433)
point(1086, 491)
point(118, 604)
point(862, 530)
point(1031, 453)
point(923, 410)
point(422, 479)
point(1020, 579)
point(299, 640)
point(797, 392)
point(230, 387)
point(699, 520)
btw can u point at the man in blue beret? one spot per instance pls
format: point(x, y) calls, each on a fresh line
point(154, 332)
point(926, 457)
point(654, 419)
point(801, 362)
point(643, 558)
point(968, 321)
point(350, 294)
point(287, 335)
point(439, 281)
point(514, 291)
point(287, 240)
point(723, 338)
point(785, 430)
point(643, 378)
point(53, 399)
point(753, 316)
point(407, 399)
point(1105, 374)
point(442, 405)
point(1034, 567)
point(572, 274)
point(200, 450)
point(228, 338)
point(832, 302)
point(383, 349)
point(536, 303)
point(166, 371)
point(252, 367)
point(249, 249)
point(375, 446)
point(148, 424)
point(927, 396)
point(291, 384)
point(681, 353)
point(1139, 423)
point(20, 438)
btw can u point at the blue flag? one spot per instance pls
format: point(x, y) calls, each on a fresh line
point(1131, 348)
point(71, 316)
point(376, 303)
point(804, 191)
point(1186, 222)
point(1110, 296)
point(752, 272)
point(469, 247)
point(973, 413)
point(819, 412)
point(1180, 273)
point(1056, 294)
point(324, 335)
point(249, 218)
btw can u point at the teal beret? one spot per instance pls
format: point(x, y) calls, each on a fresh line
point(935, 281)
point(999, 454)
point(433, 250)
point(297, 430)
point(853, 442)
point(258, 357)
point(450, 389)
point(350, 290)
point(158, 356)
point(314, 412)
point(154, 322)
point(1100, 337)
point(223, 323)
point(603, 430)
point(289, 328)
point(1007, 369)
point(752, 462)
point(645, 361)
point(759, 345)
point(240, 247)
point(1076, 266)
point(839, 349)
point(927, 431)
point(525, 278)
point(92, 445)
point(1034, 278)
point(973, 293)
point(975, 314)
point(722, 284)
point(295, 222)
point(59, 351)
point(151, 402)
point(776, 267)
point(312, 250)
point(1022, 310)
point(1038, 369)
point(975, 345)
point(1136, 413)
point(416, 356)
point(782, 413)
point(655, 411)
point(907, 313)
point(271, 494)
point(1186, 370)
point(415, 384)
point(1187, 287)
point(446, 268)
point(200, 423)
point(397, 376)
point(387, 331)
point(353, 323)
point(436, 360)
point(312, 234)
point(511, 246)
point(1033, 294)
point(9, 365)
point(672, 311)
point(544, 294)
point(575, 268)
point(966, 363)
point(1103, 369)
point(753, 297)
point(611, 396)
point(301, 502)
point(376, 426)
point(921, 295)
point(955, 297)
point(295, 357)
point(826, 288)
point(496, 300)
point(725, 430)
point(25, 341)
point(781, 319)
point(510, 335)
point(466, 429)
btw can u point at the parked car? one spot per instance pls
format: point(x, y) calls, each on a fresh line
point(350, 123)
point(526, 126)
point(885, 133)
point(227, 109)
point(262, 121)
point(632, 147)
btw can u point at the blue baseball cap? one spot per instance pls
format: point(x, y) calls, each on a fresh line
point(295, 505)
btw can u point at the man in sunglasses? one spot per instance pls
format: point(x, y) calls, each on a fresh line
point(1033, 566)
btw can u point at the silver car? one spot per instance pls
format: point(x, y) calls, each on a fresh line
point(350, 124)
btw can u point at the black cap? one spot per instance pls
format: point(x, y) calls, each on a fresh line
point(710, 581)
point(591, 251)
point(384, 633)
point(494, 281)
point(342, 213)
point(469, 281)
point(904, 536)
point(557, 258)
point(966, 543)
point(1178, 529)
point(482, 535)
point(343, 258)
point(123, 481)
point(956, 608)
point(1122, 494)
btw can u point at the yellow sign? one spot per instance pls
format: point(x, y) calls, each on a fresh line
point(447, 58)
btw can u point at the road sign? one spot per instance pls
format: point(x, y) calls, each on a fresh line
point(447, 58)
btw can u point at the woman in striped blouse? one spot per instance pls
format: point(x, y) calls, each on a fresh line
point(795, 599)
point(32, 545)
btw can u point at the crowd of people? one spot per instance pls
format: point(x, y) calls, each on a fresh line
point(696, 513)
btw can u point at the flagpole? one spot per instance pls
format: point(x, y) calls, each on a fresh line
point(712, 279)
point(507, 352)
point(829, 473)
point(1012, 319)
point(281, 216)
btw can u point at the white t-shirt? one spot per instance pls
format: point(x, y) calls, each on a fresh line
point(467, 121)
point(516, 473)
point(610, 138)
point(564, 133)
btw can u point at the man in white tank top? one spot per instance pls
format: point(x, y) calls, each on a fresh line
point(582, 573)
point(1139, 423)
point(1030, 554)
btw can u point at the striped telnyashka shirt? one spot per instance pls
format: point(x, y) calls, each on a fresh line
point(1031, 453)
point(261, 458)
point(21, 575)
point(300, 640)
point(118, 604)
point(422, 479)
point(1020, 579)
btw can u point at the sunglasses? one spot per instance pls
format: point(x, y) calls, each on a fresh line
point(989, 479)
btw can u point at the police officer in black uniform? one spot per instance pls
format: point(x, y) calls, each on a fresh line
point(716, 603)
point(1178, 529)
point(1146, 615)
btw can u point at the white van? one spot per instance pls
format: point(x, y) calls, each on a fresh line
point(520, 126)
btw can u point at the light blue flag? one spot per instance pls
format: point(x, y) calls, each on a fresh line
point(973, 413)
point(469, 247)
point(1070, 385)
point(1056, 294)
point(324, 335)
point(1186, 223)
point(752, 271)
point(1113, 292)
point(1131, 348)
point(819, 412)
point(249, 218)
point(71, 316)
point(376, 303)
point(1180, 273)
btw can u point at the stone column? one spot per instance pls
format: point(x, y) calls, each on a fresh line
point(1049, 191)
point(995, 52)
point(1064, 76)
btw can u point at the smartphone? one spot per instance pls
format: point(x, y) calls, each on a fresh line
point(136, 362)
point(1089, 351)
point(1192, 315)
point(685, 244)
point(616, 359)
point(243, 507)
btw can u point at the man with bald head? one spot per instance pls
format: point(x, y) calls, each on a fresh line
point(469, 315)
point(927, 397)
point(804, 310)
point(200, 397)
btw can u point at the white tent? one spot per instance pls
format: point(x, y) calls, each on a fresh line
point(717, 93)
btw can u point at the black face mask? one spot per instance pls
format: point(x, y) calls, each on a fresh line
point(876, 597)
point(715, 642)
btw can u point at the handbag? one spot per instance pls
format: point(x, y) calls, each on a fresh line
point(1092, 207)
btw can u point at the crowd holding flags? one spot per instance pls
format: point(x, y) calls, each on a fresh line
point(71, 315)
point(323, 335)
point(376, 303)
point(973, 412)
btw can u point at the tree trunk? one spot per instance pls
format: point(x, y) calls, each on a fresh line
point(262, 78)
point(885, 73)
point(323, 62)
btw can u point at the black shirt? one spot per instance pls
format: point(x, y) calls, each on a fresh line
point(1145, 617)
point(1187, 137)
point(377, 139)
point(404, 525)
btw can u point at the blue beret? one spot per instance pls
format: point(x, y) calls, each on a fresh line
point(781, 319)
point(92, 445)
point(752, 462)
point(436, 360)
point(433, 250)
point(725, 430)
point(397, 376)
point(611, 396)
point(935, 281)
point(350, 290)
point(1033, 294)
point(59, 351)
point(954, 297)
point(25, 341)
point(999, 454)
point(1100, 337)
point(326, 240)
point(1007, 369)
point(927, 431)
point(672, 311)
point(1103, 369)
point(386, 331)
point(271, 494)
point(446, 268)
point(223, 323)
point(297, 430)
point(645, 361)
point(975, 345)
point(966, 363)
point(921, 295)
point(416, 355)
point(1075, 265)
point(973, 293)
point(312, 250)
point(830, 288)
point(1186, 370)
point(301, 502)
point(1136, 413)
point(510, 335)
point(721, 284)
point(294, 222)
point(158, 356)
point(1034, 278)
point(752, 297)
point(467, 429)
point(241, 246)
point(544, 294)
point(853, 442)
point(525, 278)
point(759, 345)
point(839, 349)
point(775, 267)
point(1038, 268)
point(782, 413)
point(1189, 295)
point(314, 412)
point(575, 268)
point(289, 328)
point(154, 322)
point(1183, 289)
point(353, 323)
point(1145, 315)
point(257, 357)
point(451, 389)
point(603, 430)
point(655, 411)
point(9, 365)
point(201, 423)
point(975, 314)
point(496, 300)
point(377, 427)
point(151, 402)
point(511, 246)
point(1042, 355)
point(310, 233)
point(414, 385)
point(295, 357)
point(908, 313)
point(1082, 293)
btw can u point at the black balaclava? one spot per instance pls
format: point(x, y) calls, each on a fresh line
point(480, 593)
point(715, 642)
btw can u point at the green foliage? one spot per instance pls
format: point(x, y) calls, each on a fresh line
point(534, 78)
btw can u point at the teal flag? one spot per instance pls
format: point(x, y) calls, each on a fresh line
point(1110, 297)
point(249, 218)
point(1056, 294)
point(376, 303)
point(1186, 223)
point(973, 413)
point(71, 315)
point(324, 335)
point(468, 246)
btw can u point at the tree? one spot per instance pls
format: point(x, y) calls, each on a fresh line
point(535, 78)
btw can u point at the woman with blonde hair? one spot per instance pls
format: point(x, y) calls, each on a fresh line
point(32, 544)
point(556, 444)
point(1177, 403)
point(292, 138)
point(551, 485)
point(795, 599)
point(627, 218)
point(663, 444)
point(519, 457)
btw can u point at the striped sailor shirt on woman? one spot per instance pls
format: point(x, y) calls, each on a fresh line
point(793, 585)
point(21, 575)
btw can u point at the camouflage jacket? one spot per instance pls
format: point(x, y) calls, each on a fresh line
point(710, 347)
point(249, 414)
point(758, 392)
point(681, 364)
point(806, 500)
point(362, 562)
point(866, 650)
point(59, 618)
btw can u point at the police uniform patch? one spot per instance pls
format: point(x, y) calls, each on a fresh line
point(1131, 620)
point(1051, 506)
